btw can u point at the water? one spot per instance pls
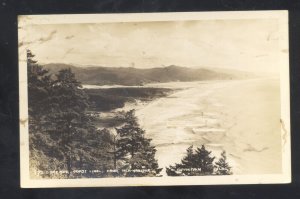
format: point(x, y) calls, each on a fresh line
point(239, 116)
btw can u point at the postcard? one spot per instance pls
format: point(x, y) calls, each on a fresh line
point(154, 99)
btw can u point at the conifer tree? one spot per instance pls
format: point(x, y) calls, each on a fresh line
point(188, 160)
point(61, 133)
point(186, 167)
point(68, 114)
point(134, 148)
point(196, 162)
point(173, 170)
point(93, 152)
point(222, 165)
point(204, 161)
point(39, 88)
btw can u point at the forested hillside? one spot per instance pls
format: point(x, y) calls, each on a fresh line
point(64, 143)
point(136, 76)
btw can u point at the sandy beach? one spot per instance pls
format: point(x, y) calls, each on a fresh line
point(239, 116)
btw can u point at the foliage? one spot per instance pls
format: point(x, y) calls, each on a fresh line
point(199, 162)
point(63, 138)
point(222, 165)
point(39, 88)
point(204, 160)
point(134, 148)
point(67, 122)
point(62, 135)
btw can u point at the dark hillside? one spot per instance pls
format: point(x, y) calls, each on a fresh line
point(135, 76)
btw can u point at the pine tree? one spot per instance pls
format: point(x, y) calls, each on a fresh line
point(194, 163)
point(68, 122)
point(204, 161)
point(62, 135)
point(40, 144)
point(222, 165)
point(134, 148)
point(188, 160)
point(173, 170)
point(129, 137)
point(94, 152)
point(186, 167)
point(39, 86)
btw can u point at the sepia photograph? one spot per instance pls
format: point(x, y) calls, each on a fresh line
point(154, 99)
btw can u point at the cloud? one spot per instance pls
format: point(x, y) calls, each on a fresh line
point(236, 44)
point(41, 39)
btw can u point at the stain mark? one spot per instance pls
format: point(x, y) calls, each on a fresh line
point(23, 121)
point(263, 55)
point(69, 37)
point(284, 136)
point(22, 43)
point(49, 37)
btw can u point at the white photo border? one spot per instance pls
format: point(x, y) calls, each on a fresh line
point(284, 177)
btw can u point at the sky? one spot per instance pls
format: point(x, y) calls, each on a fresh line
point(246, 44)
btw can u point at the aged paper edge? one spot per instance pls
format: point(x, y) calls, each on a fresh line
point(284, 177)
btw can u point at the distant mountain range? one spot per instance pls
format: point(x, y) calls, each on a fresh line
point(130, 76)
